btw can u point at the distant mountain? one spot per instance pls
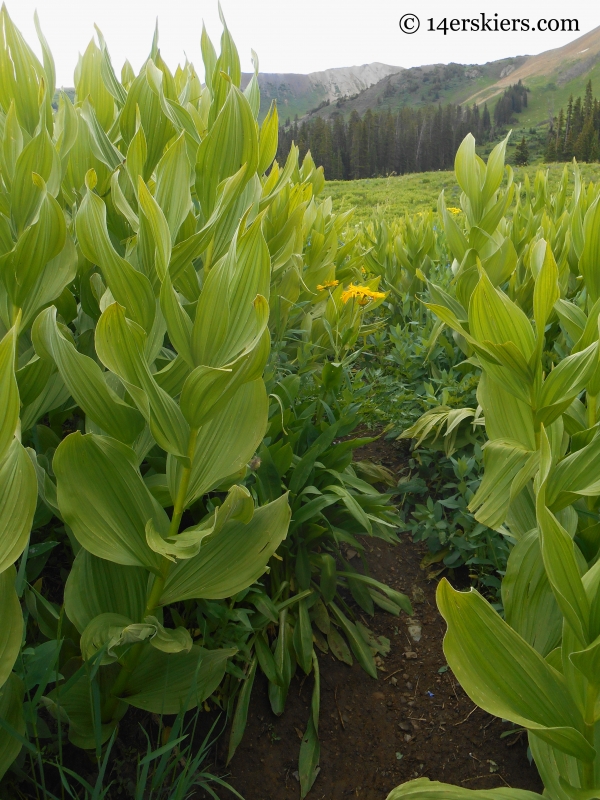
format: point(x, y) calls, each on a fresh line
point(299, 94)
point(550, 78)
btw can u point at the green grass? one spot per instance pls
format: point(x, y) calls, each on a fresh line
point(395, 196)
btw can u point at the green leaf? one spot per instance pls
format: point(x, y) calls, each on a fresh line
point(285, 665)
point(266, 660)
point(573, 476)
point(97, 586)
point(328, 584)
point(546, 291)
point(231, 142)
point(167, 683)
point(424, 789)
point(75, 703)
point(51, 282)
point(173, 185)
point(503, 460)
point(153, 220)
point(269, 131)
point(11, 630)
point(232, 560)
point(468, 174)
point(104, 500)
point(9, 392)
point(18, 500)
point(587, 661)
point(338, 646)
point(85, 381)
point(40, 243)
point(558, 553)
point(361, 650)
point(238, 506)
point(495, 318)
point(572, 318)
point(120, 345)
point(232, 310)
point(529, 605)
point(310, 748)
point(565, 382)
point(590, 255)
point(504, 675)
point(303, 645)
point(226, 443)
point(129, 287)
point(11, 714)
point(101, 145)
point(238, 726)
point(40, 157)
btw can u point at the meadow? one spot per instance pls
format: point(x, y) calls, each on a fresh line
point(394, 196)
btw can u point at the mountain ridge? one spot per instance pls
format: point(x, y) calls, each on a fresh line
point(298, 93)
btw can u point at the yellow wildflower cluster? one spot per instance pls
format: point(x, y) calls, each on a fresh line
point(327, 285)
point(363, 294)
point(454, 210)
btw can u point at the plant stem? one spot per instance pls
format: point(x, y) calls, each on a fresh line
point(132, 657)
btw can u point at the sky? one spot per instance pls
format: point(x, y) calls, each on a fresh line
point(290, 36)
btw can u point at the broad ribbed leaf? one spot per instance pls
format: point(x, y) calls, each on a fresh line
point(494, 317)
point(232, 560)
point(167, 683)
point(226, 443)
point(424, 789)
point(129, 287)
point(18, 499)
point(121, 345)
point(97, 586)
point(529, 605)
point(85, 381)
point(9, 392)
point(504, 675)
point(105, 501)
point(11, 629)
point(558, 553)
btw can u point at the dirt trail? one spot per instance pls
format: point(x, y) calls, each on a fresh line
point(415, 720)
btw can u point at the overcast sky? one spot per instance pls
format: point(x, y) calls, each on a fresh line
point(292, 35)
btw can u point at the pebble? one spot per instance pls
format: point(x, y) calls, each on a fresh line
point(415, 632)
point(378, 696)
point(405, 726)
point(410, 654)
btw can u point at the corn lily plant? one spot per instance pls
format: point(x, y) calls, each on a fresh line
point(536, 667)
point(135, 292)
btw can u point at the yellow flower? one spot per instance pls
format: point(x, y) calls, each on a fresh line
point(363, 294)
point(327, 285)
point(454, 210)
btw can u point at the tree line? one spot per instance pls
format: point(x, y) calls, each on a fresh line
point(383, 143)
point(409, 140)
point(575, 133)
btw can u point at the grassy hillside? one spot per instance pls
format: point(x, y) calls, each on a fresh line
point(394, 196)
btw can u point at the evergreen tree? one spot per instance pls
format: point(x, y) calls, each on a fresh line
point(522, 153)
